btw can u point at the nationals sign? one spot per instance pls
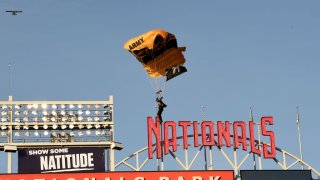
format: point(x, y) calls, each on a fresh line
point(158, 175)
point(50, 160)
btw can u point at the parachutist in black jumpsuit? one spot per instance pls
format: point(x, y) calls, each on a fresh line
point(161, 105)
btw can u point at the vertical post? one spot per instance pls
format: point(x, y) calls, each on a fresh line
point(9, 79)
point(259, 146)
point(205, 149)
point(299, 134)
point(162, 146)
point(111, 150)
point(9, 168)
point(111, 157)
point(253, 155)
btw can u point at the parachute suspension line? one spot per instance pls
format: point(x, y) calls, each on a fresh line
point(157, 86)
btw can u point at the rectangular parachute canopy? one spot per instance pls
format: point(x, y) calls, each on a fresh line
point(158, 53)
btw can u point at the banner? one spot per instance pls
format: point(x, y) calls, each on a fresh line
point(158, 175)
point(276, 174)
point(51, 160)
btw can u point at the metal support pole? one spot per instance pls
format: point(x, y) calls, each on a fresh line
point(253, 155)
point(299, 134)
point(259, 146)
point(205, 149)
point(9, 168)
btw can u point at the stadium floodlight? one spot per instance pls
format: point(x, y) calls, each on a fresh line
point(63, 106)
point(80, 126)
point(46, 133)
point(80, 133)
point(71, 106)
point(54, 112)
point(36, 133)
point(34, 112)
point(35, 127)
point(25, 113)
point(3, 133)
point(96, 118)
point(44, 119)
point(97, 126)
point(80, 112)
point(54, 134)
point(17, 119)
point(71, 113)
point(88, 132)
point(89, 126)
point(98, 132)
point(3, 119)
point(27, 134)
point(17, 113)
point(96, 112)
point(89, 119)
point(97, 106)
point(54, 126)
point(3, 127)
point(63, 134)
point(53, 119)
point(44, 106)
point(63, 113)
point(103, 132)
point(71, 126)
point(63, 119)
point(35, 119)
point(25, 119)
point(80, 106)
point(35, 106)
point(17, 106)
point(17, 127)
point(87, 112)
point(29, 106)
point(45, 112)
point(25, 127)
point(63, 126)
point(4, 113)
point(45, 126)
point(80, 118)
point(16, 134)
point(72, 133)
point(73, 119)
point(54, 106)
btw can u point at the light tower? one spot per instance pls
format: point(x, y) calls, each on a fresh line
point(63, 124)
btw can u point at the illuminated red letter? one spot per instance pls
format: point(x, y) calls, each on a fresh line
point(252, 139)
point(170, 142)
point(266, 154)
point(155, 128)
point(195, 134)
point(185, 125)
point(240, 139)
point(207, 141)
point(223, 133)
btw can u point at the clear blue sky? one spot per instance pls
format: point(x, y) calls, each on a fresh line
point(239, 53)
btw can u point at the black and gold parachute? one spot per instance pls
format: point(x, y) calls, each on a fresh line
point(158, 53)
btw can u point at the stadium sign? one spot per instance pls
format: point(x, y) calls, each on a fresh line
point(208, 136)
point(50, 160)
point(158, 175)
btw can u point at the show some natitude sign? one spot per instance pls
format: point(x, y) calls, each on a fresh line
point(51, 160)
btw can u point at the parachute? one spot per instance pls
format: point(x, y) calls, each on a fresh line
point(158, 53)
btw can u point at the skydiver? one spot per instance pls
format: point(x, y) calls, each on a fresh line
point(161, 106)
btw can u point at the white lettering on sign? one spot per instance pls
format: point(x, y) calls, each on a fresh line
point(69, 161)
